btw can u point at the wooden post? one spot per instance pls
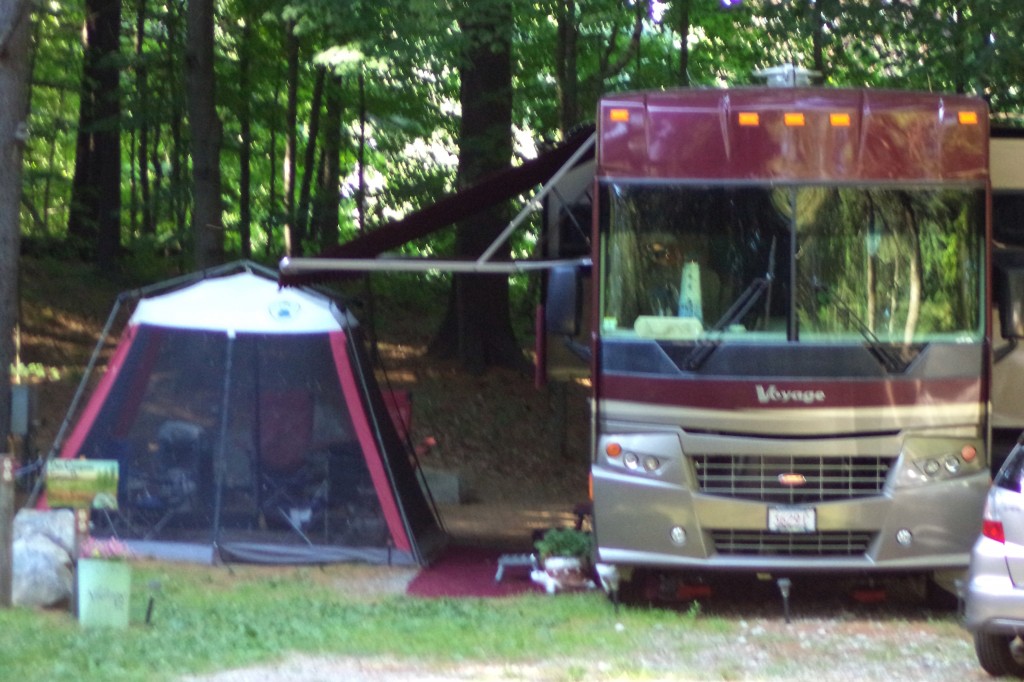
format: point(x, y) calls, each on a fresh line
point(81, 532)
point(6, 530)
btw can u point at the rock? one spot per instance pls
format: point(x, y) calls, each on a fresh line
point(43, 546)
point(56, 524)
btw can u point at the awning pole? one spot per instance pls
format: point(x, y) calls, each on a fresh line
point(532, 204)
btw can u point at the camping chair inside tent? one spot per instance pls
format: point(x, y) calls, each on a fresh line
point(172, 489)
point(292, 483)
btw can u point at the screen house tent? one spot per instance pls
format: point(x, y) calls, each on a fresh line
point(248, 426)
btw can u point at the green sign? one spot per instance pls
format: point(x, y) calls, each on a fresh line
point(104, 592)
point(82, 483)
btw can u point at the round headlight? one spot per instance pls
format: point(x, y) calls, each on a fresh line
point(931, 467)
point(651, 464)
point(952, 464)
point(631, 460)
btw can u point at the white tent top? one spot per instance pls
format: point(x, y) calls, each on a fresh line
point(244, 302)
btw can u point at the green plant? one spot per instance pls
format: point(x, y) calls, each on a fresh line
point(565, 542)
point(34, 372)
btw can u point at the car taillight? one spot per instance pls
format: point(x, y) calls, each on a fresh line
point(991, 521)
point(993, 529)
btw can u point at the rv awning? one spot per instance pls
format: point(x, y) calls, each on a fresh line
point(449, 210)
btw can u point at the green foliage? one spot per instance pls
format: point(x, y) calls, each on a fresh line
point(565, 542)
point(407, 54)
point(34, 372)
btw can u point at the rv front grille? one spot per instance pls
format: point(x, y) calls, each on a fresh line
point(763, 543)
point(791, 480)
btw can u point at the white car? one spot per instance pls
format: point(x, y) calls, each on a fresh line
point(994, 595)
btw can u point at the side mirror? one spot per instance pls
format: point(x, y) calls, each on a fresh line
point(563, 307)
point(1009, 292)
point(565, 303)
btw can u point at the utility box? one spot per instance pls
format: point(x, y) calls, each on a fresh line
point(23, 409)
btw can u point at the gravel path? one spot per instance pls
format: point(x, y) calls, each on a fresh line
point(804, 651)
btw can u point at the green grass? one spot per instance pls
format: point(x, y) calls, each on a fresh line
point(206, 619)
point(209, 619)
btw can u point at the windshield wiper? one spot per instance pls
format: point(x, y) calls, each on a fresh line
point(891, 359)
point(760, 286)
point(736, 312)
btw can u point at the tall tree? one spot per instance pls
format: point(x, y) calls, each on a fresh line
point(292, 245)
point(477, 327)
point(95, 217)
point(300, 228)
point(245, 140)
point(579, 88)
point(566, 71)
point(205, 129)
point(326, 203)
point(15, 37)
point(145, 199)
point(682, 10)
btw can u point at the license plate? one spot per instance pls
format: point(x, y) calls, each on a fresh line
point(792, 520)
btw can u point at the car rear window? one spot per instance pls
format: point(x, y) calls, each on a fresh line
point(1009, 474)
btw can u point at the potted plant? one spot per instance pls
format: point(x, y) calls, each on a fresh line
point(567, 557)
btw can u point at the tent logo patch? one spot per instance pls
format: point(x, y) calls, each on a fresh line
point(284, 310)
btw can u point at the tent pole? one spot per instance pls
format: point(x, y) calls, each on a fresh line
point(363, 385)
point(220, 457)
point(79, 392)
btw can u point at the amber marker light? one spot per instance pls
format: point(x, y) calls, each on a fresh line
point(794, 119)
point(792, 480)
point(839, 120)
point(967, 118)
point(613, 449)
point(748, 118)
point(968, 452)
point(619, 115)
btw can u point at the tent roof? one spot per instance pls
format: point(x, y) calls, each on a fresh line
point(244, 302)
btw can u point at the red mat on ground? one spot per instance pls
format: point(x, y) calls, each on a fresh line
point(469, 572)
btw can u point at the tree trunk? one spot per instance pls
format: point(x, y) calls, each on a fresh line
point(95, 218)
point(148, 224)
point(327, 201)
point(205, 136)
point(683, 27)
point(301, 223)
point(179, 153)
point(272, 200)
point(566, 72)
point(477, 327)
point(291, 247)
point(245, 143)
point(157, 205)
point(817, 20)
point(15, 43)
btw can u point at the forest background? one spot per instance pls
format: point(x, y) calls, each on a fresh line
point(146, 138)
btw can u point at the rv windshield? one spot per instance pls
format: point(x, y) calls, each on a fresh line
point(828, 264)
